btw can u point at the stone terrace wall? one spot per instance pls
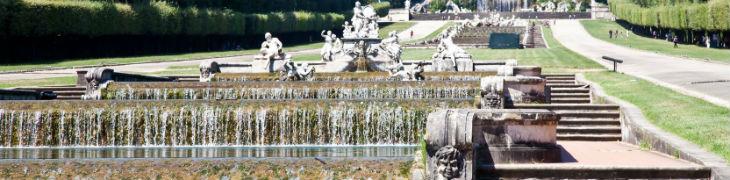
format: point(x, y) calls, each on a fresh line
point(522, 15)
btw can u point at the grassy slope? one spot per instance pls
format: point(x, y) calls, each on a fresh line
point(600, 28)
point(557, 58)
point(57, 81)
point(434, 33)
point(142, 59)
point(396, 26)
point(691, 118)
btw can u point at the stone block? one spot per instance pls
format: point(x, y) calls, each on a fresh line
point(512, 90)
point(459, 140)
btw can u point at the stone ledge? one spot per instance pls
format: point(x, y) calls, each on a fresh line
point(636, 128)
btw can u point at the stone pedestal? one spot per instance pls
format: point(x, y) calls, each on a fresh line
point(460, 140)
point(463, 64)
point(263, 64)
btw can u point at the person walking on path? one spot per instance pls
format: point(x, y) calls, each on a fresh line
point(610, 34)
point(675, 40)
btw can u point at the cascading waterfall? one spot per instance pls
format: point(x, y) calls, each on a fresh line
point(219, 123)
point(468, 89)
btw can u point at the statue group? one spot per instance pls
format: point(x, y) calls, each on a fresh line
point(494, 20)
point(449, 56)
point(364, 23)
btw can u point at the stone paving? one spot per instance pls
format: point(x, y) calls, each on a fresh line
point(706, 80)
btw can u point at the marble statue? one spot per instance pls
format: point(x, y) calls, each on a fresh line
point(364, 22)
point(419, 8)
point(391, 46)
point(96, 80)
point(347, 30)
point(452, 7)
point(562, 7)
point(400, 72)
point(271, 55)
point(447, 54)
point(208, 70)
point(407, 5)
point(292, 72)
point(328, 49)
point(271, 48)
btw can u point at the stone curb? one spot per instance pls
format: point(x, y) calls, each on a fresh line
point(636, 129)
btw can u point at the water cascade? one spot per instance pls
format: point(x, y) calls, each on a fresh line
point(211, 123)
point(293, 90)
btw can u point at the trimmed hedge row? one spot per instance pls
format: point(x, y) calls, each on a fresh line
point(439, 5)
point(382, 8)
point(51, 18)
point(258, 6)
point(713, 15)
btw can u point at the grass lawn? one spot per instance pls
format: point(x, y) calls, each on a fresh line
point(396, 26)
point(693, 119)
point(141, 59)
point(56, 81)
point(178, 71)
point(600, 28)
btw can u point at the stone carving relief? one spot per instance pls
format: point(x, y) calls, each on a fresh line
point(449, 163)
point(208, 70)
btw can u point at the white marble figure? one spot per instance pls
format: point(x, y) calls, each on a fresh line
point(391, 46)
point(328, 48)
point(271, 48)
point(347, 29)
point(293, 72)
point(364, 22)
point(452, 7)
point(407, 5)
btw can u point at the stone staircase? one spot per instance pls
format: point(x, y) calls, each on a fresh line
point(564, 90)
point(580, 119)
point(62, 92)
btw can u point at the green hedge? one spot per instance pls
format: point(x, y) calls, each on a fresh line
point(439, 5)
point(49, 18)
point(382, 8)
point(713, 15)
point(258, 6)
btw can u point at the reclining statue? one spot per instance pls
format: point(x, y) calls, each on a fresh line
point(292, 72)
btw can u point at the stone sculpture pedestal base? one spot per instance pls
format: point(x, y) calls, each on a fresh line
point(263, 64)
point(460, 140)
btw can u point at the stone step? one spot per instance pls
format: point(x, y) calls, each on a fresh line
point(569, 90)
point(568, 106)
point(561, 100)
point(72, 97)
point(596, 129)
point(588, 114)
point(558, 75)
point(70, 92)
point(565, 85)
point(570, 95)
point(55, 88)
point(578, 171)
point(567, 121)
point(550, 78)
point(589, 137)
point(560, 81)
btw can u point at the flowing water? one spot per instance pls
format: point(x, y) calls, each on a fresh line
point(208, 152)
point(215, 123)
point(312, 90)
